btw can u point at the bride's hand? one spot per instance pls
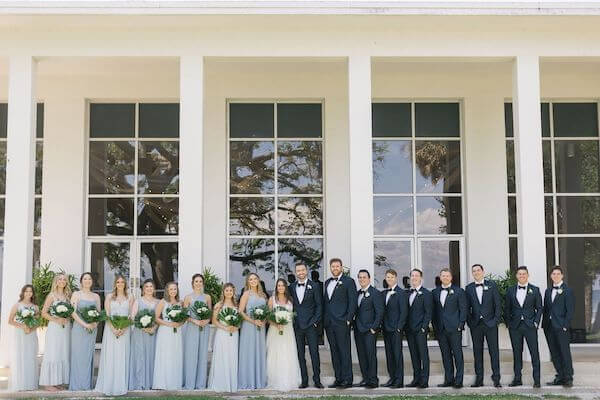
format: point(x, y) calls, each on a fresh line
point(259, 323)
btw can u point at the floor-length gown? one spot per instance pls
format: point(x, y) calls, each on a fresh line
point(143, 347)
point(55, 364)
point(23, 367)
point(83, 345)
point(195, 356)
point(283, 369)
point(113, 370)
point(168, 362)
point(223, 375)
point(252, 371)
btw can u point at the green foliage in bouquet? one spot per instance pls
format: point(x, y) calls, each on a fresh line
point(61, 309)
point(259, 313)
point(28, 317)
point(178, 314)
point(230, 317)
point(120, 322)
point(144, 319)
point(201, 311)
point(91, 315)
point(280, 316)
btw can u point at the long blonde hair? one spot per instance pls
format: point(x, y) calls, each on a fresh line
point(114, 291)
point(259, 288)
point(54, 287)
point(233, 299)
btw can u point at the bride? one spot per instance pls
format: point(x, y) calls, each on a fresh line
point(283, 370)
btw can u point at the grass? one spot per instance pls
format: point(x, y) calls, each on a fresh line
point(407, 397)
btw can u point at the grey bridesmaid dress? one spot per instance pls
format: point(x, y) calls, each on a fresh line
point(141, 359)
point(195, 355)
point(252, 367)
point(83, 345)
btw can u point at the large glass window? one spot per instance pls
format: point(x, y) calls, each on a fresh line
point(275, 189)
point(417, 188)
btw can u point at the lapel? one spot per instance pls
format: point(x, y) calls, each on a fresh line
point(483, 292)
point(514, 294)
point(293, 290)
point(334, 289)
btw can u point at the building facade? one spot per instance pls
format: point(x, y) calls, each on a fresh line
point(158, 139)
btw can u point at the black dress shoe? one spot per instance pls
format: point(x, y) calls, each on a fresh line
point(397, 386)
point(372, 385)
point(388, 383)
point(334, 385)
point(497, 385)
point(413, 384)
point(568, 384)
point(318, 385)
point(515, 383)
point(423, 386)
point(445, 384)
point(457, 386)
point(362, 383)
point(537, 385)
point(344, 385)
point(303, 386)
point(555, 382)
point(477, 384)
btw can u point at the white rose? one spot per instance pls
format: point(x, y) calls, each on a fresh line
point(61, 309)
point(26, 312)
point(258, 311)
point(228, 318)
point(145, 320)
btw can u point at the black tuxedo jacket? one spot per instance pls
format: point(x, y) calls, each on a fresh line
point(559, 313)
point(396, 310)
point(453, 314)
point(530, 313)
point(370, 312)
point(341, 307)
point(490, 309)
point(308, 313)
point(419, 314)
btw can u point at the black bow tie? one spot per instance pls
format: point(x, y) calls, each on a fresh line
point(523, 287)
point(479, 285)
point(412, 290)
point(447, 289)
point(362, 291)
point(301, 284)
point(556, 287)
point(388, 289)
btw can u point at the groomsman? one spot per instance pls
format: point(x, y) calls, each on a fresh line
point(308, 303)
point(419, 315)
point(523, 312)
point(484, 310)
point(366, 322)
point(340, 303)
point(394, 320)
point(559, 306)
point(449, 317)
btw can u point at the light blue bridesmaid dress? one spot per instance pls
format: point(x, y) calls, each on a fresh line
point(168, 361)
point(141, 361)
point(252, 368)
point(113, 371)
point(195, 356)
point(23, 367)
point(82, 353)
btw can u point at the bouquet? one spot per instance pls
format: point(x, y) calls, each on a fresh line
point(259, 313)
point(144, 319)
point(120, 322)
point(178, 314)
point(281, 316)
point(61, 309)
point(230, 317)
point(27, 316)
point(91, 315)
point(201, 310)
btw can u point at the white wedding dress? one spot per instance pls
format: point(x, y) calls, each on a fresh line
point(283, 369)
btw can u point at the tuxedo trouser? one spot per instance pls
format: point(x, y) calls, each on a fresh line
point(478, 333)
point(310, 335)
point(452, 355)
point(560, 352)
point(393, 356)
point(522, 331)
point(419, 356)
point(366, 349)
point(338, 336)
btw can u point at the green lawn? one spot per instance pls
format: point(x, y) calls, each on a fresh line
point(407, 397)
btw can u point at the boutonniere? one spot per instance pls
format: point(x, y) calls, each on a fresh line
point(530, 291)
point(419, 293)
point(308, 287)
point(451, 291)
point(392, 292)
point(559, 291)
point(339, 283)
point(486, 287)
point(367, 294)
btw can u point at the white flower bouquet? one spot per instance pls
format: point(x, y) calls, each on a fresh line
point(178, 314)
point(61, 309)
point(230, 317)
point(28, 317)
point(91, 315)
point(201, 310)
point(144, 319)
point(259, 313)
point(281, 316)
point(120, 322)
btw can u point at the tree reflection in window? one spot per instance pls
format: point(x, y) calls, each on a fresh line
point(251, 167)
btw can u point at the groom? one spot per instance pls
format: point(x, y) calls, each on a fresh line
point(308, 307)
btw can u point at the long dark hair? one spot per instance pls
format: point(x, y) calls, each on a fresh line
point(287, 294)
point(22, 294)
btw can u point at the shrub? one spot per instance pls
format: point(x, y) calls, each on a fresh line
point(212, 285)
point(503, 282)
point(42, 283)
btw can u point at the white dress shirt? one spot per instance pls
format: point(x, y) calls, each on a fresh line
point(521, 294)
point(300, 290)
point(479, 291)
point(389, 293)
point(413, 295)
point(361, 296)
point(444, 294)
point(555, 291)
point(331, 286)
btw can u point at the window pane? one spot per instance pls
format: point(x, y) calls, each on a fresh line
point(37, 218)
point(513, 256)
point(112, 120)
point(511, 179)
point(3, 120)
point(2, 167)
point(394, 255)
point(438, 166)
point(578, 214)
point(577, 167)
point(251, 120)
point(393, 215)
point(575, 119)
point(108, 260)
point(112, 168)
point(299, 120)
point(37, 245)
point(300, 167)
point(110, 217)
point(158, 167)
point(549, 214)
point(2, 211)
point(159, 120)
point(39, 165)
point(251, 167)
point(437, 120)
point(158, 216)
point(438, 254)
point(550, 254)
point(547, 165)
point(391, 120)
point(439, 215)
point(512, 215)
point(251, 255)
point(300, 215)
point(39, 118)
point(508, 120)
point(158, 261)
point(291, 251)
point(392, 166)
point(251, 216)
point(581, 259)
point(545, 119)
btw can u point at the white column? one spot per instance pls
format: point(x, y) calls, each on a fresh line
point(361, 167)
point(20, 172)
point(530, 173)
point(191, 95)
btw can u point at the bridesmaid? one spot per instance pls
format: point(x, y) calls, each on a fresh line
point(83, 342)
point(252, 354)
point(113, 370)
point(143, 341)
point(195, 357)
point(224, 364)
point(168, 362)
point(55, 365)
point(23, 367)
